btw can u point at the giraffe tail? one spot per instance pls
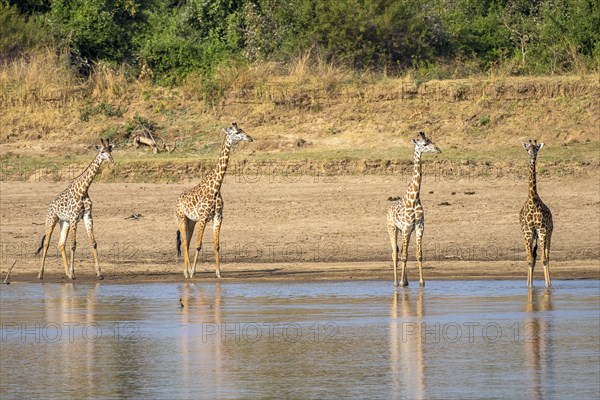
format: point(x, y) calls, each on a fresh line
point(41, 245)
point(178, 242)
point(534, 252)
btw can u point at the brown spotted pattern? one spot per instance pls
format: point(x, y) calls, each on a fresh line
point(70, 206)
point(204, 203)
point(406, 215)
point(536, 220)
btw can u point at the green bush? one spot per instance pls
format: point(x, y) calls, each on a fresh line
point(20, 33)
point(169, 40)
point(195, 37)
point(568, 37)
point(89, 110)
point(96, 29)
point(377, 34)
point(139, 123)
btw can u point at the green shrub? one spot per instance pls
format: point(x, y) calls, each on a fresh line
point(89, 110)
point(168, 40)
point(20, 33)
point(96, 29)
point(139, 123)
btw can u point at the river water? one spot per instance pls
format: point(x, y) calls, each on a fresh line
point(358, 339)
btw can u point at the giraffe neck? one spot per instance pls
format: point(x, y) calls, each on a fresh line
point(415, 186)
point(81, 184)
point(532, 180)
point(221, 167)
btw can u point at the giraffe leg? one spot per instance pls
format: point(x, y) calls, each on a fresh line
point(198, 246)
point(216, 247)
point(217, 220)
point(545, 246)
point(50, 224)
point(73, 234)
point(89, 227)
point(183, 229)
point(529, 246)
point(404, 258)
point(189, 226)
point(393, 232)
point(64, 231)
point(419, 233)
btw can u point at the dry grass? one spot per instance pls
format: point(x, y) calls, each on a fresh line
point(305, 110)
point(37, 80)
point(108, 83)
point(45, 79)
point(288, 85)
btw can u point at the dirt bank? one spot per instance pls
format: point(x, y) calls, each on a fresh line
point(312, 227)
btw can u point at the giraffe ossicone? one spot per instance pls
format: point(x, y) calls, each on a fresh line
point(406, 214)
point(204, 203)
point(68, 208)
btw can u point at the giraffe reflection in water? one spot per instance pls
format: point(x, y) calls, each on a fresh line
point(406, 349)
point(77, 348)
point(201, 357)
point(537, 339)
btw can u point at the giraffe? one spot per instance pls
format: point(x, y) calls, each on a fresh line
point(203, 203)
point(68, 208)
point(406, 214)
point(536, 220)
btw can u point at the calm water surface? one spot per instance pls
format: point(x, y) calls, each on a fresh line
point(359, 339)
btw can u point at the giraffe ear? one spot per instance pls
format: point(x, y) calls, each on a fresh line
point(540, 146)
point(414, 141)
point(110, 147)
point(98, 147)
point(526, 145)
point(225, 131)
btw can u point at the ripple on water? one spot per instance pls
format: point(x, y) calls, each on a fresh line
point(452, 339)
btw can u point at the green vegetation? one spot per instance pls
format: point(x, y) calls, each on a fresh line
point(344, 83)
point(89, 110)
point(139, 123)
point(168, 41)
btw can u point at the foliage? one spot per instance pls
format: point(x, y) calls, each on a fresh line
point(139, 123)
point(19, 33)
point(106, 109)
point(96, 29)
point(170, 40)
point(29, 7)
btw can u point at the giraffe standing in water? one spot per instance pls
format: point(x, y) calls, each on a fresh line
point(68, 208)
point(203, 203)
point(406, 214)
point(536, 220)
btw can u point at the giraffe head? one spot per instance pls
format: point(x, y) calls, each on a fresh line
point(532, 149)
point(424, 145)
point(104, 151)
point(234, 134)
